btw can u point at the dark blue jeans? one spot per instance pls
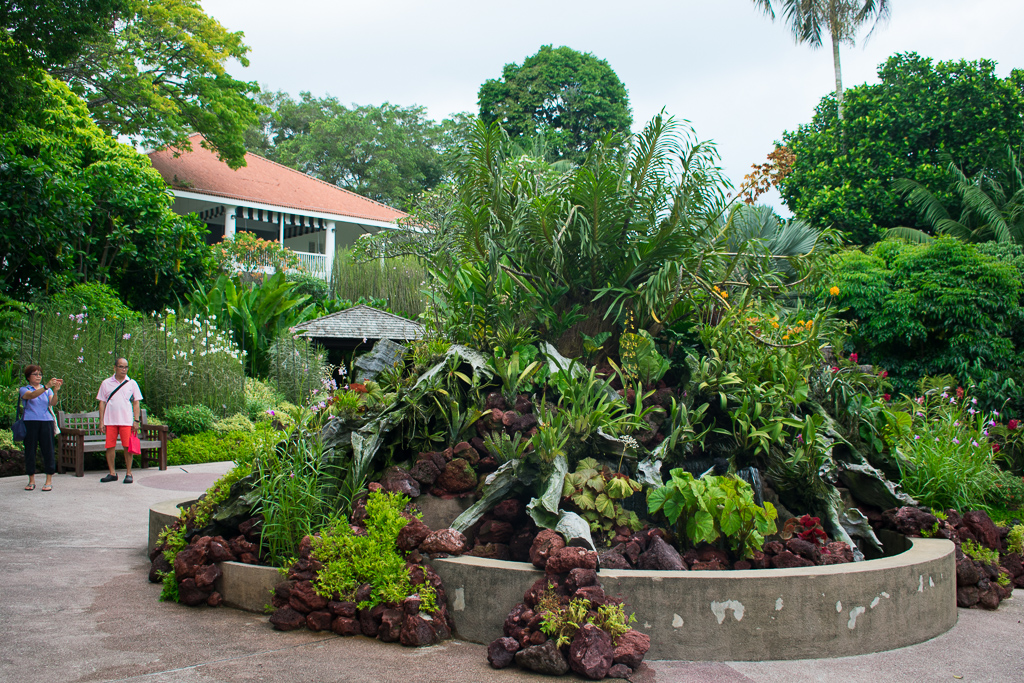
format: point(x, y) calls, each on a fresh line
point(39, 432)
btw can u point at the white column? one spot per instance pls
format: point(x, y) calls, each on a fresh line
point(329, 249)
point(229, 222)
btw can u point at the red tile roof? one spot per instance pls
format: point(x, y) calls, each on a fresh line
point(262, 181)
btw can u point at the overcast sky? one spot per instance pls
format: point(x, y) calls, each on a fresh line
point(722, 64)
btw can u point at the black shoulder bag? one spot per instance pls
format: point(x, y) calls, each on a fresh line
point(18, 428)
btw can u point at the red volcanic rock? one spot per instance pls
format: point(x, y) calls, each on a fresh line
point(412, 534)
point(546, 542)
point(632, 551)
point(465, 451)
point(239, 546)
point(786, 559)
point(619, 671)
point(370, 620)
point(345, 609)
point(159, 567)
point(319, 620)
point(989, 598)
point(759, 560)
point(983, 528)
point(391, 625)
point(544, 659)
point(495, 531)
point(305, 599)
point(189, 594)
point(397, 480)
point(219, 551)
point(967, 572)
point(805, 549)
point(711, 565)
point(502, 652)
point(595, 594)
point(287, 619)
point(215, 599)
point(495, 400)
point(610, 559)
point(840, 549)
point(580, 577)
point(563, 560)
point(522, 541)
point(346, 626)
point(301, 571)
point(661, 556)
point(188, 560)
point(305, 547)
point(206, 576)
point(708, 553)
point(631, 648)
point(457, 477)
point(742, 565)
point(591, 652)
point(417, 631)
point(491, 551)
point(251, 529)
point(425, 472)
point(447, 541)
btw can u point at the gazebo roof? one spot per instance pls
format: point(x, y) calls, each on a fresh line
point(362, 322)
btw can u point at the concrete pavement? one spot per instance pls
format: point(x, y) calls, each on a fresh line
point(75, 605)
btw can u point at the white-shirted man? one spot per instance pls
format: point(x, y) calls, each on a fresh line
point(120, 399)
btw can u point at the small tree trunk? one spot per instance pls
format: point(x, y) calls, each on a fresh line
point(839, 85)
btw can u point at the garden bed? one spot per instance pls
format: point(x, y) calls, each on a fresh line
point(836, 610)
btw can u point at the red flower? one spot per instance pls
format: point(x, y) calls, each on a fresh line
point(886, 397)
point(995, 448)
point(1012, 424)
point(853, 358)
point(883, 374)
point(835, 368)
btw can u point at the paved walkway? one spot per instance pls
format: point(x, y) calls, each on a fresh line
point(75, 605)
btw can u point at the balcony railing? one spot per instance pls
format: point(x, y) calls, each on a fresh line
point(315, 264)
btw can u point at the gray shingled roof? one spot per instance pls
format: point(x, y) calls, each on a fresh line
point(361, 322)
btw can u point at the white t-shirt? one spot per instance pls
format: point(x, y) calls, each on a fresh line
point(119, 408)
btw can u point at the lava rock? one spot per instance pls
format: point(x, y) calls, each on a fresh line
point(495, 531)
point(370, 620)
point(967, 572)
point(786, 559)
point(591, 652)
point(546, 542)
point(983, 528)
point(709, 566)
point(910, 520)
point(595, 594)
point(190, 594)
point(522, 541)
point(207, 576)
point(412, 534)
point(564, 560)
point(457, 477)
point(319, 620)
point(345, 609)
point(580, 577)
point(839, 550)
point(631, 647)
point(159, 567)
point(188, 560)
point(988, 598)
point(287, 619)
point(619, 671)
point(804, 549)
point(398, 480)
point(709, 553)
point(611, 559)
point(346, 626)
point(305, 599)
point(215, 599)
point(491, 551)
point(660, 556)
point(447, 541)
point(391, 625)
point(417, 631)
point(773, 547)
point(544, 659)
point(466, 451)
point(425, 472)
point(502, 652)
point(220, 551)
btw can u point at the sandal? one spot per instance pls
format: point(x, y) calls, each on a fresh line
point(30, 487)
point(47, 487)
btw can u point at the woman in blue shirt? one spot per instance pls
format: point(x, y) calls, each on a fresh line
point(39, 423)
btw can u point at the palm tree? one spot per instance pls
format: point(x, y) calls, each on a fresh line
point(991, 205)
point(841, 19)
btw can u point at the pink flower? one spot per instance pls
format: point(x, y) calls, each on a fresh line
point(81, 359)
point(835, 369)
point(126, 335)
point(886, 397)
point(1012, 424)
point(853, 357)
point(883, 374)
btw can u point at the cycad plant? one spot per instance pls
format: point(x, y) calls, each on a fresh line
point(991, 205)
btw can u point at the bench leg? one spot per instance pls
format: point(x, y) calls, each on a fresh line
point(80, 461)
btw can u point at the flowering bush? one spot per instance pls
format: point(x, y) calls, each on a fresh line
point(943, 448)
point(249, 254)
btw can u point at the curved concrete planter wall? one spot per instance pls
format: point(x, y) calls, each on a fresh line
point(812, 612)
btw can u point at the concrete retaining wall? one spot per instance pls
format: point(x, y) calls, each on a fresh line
point(811, 612)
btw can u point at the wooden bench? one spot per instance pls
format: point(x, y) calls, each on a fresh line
point(80, 434)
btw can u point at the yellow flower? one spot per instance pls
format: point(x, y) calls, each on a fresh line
point(834, 291)
point(775, 325)
point(799, 322)
point(785, 337)
point(724, 295)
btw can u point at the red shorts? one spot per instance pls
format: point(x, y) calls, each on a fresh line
point(114, 431)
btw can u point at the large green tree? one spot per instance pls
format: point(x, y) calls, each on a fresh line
point(77, 206)
point(574, 99)
point(909, 125)
point(388, 153)
point(810, 20)
point(158, 74)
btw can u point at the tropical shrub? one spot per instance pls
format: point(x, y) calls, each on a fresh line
point(96, 299)
point(933, 309)
point(189, 419)
point(349, 560)
point(360, 274)
point(241, 447)
point(714, 509)
point(296, 366)
point(238, 422)
point(598, 493)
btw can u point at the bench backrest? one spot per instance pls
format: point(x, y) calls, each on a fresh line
point(87, 422)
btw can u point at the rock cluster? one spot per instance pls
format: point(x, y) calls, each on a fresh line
point(648, 549)
point(569, 573)
point(977, 583)
point(298, 605)
point(196, 566)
